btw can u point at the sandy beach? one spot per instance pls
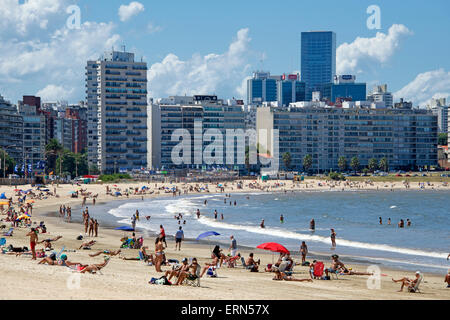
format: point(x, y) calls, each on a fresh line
point(23, 278)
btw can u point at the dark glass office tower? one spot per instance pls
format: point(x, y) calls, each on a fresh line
point(318, 60)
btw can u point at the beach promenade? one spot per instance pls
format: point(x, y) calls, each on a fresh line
point(23, 278)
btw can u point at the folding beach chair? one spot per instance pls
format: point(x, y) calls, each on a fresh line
point(416, 289)
point(194, 282)
point(318, 270)
point(8, 233)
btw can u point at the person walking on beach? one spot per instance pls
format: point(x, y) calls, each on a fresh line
point(33, 240)
point(179, 236)
point(86, 223)
point(312, 225)
point(133, 222)
point(333, 239)
point(303, 251)
point(233, 246)
point(96, 227)
point(162, 234)
point(91, 227)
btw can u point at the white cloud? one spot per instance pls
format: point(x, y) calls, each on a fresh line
point(128, 11)
point(151, 28)
point(351, 56)
point(59, 60)
point(427, 85)
point(19, 19)
point(212, 73)
point(55, 93)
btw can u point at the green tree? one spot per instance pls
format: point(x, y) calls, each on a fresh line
point(373, 164)
point(354, 164)
point(6, 163)
point(287, 159)
point(384, 165)
point(442, 139)
point(342, 163)
point(307, 162)
point(53, 150)
point(74, 164)
point(94, 169)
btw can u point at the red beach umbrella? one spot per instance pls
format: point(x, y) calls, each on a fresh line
point(274, 247)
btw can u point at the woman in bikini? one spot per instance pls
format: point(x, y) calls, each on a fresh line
point(159, 254)
point(190, 274)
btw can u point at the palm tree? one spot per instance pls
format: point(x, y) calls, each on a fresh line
point(307, 162)
point(53, 150)
point(287, 159)
point(373, 164)
point(342, 163)
point(354, 163)
point(384, 165)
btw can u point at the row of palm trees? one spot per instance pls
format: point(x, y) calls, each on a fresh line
point(343, 164)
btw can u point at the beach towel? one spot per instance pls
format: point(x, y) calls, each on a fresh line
point(9, 233)
point(2, 241)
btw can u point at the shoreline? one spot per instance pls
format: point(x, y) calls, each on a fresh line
point(108, 239)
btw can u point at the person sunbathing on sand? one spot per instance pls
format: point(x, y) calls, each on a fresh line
point(212, 264)
point(148, 257)
point(178, 270)
point(410, 283)
point(62, 261)
point(335, 265)
point(350, 272)
point(107, 252)
point(93, 268)
point(87, 245)
point(48, 242)
point(282, 276)
point(190, 274)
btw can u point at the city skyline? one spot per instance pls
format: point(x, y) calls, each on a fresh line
point(42, 46)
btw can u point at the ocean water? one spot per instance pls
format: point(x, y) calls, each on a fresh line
point(353, 214)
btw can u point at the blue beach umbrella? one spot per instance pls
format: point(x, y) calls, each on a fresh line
point(208, 234)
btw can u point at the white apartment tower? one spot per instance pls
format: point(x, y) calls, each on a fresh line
point(116, 94)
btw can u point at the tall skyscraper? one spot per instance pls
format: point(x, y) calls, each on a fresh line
point(318, 60)
point(117, 112)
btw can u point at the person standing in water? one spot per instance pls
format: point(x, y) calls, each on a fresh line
point(408, 223)
point(312, 225)
point(333, 238)
point(389, 221)
point(262, 224)
point(137, 215)
point(381, 220)
point(198, 214)
point(281, 219)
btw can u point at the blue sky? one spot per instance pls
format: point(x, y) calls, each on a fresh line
point(212, 46)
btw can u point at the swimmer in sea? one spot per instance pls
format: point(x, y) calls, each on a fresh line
point(262, 224)
point(312, 225)
point(389, 221)
point(381, 220)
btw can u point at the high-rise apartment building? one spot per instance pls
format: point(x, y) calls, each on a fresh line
point(318, 60)
point(168, 115)
point(440, 108)
point(380, 94)
point(11, 130)
point(406, 137)
point(116, 87)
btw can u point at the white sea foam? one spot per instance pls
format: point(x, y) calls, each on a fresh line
point(282, 233)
